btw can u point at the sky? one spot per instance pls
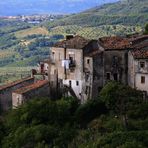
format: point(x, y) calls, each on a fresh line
point(20, 7)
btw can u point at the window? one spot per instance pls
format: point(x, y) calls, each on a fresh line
point(72, 57)
point(70, 83)
point(53, 55)
point(143, 79)
point(108, 76)
point(88, 61)
point(142, 64)
point(77, 83)
point(115, 60)
point(115, 76)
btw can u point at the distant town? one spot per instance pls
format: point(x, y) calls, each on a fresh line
point(34, 19)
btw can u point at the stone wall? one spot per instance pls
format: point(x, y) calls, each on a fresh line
point(18, 99)
point(6, 92)
point(116, 65)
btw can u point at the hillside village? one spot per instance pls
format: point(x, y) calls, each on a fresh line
point(81, 67)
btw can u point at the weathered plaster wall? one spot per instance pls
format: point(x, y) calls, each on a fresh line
point(131, 70)
point(139, 85)
point(18, 99)
point(121, 64)
point(6, 94)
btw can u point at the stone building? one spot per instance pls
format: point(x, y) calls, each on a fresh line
point(110, 62)
point(6, 92)
point(81, 67)
point(115, 58)
point(71, 67)
point(138, 64)
point(84, 66)
point(42, 70)
point(38, 89)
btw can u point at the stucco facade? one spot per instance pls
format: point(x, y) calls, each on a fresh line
point(72, 75)
point(138, 73)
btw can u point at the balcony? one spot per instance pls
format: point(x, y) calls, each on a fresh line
point(72, 65)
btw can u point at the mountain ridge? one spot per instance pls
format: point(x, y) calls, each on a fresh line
point(125, 12)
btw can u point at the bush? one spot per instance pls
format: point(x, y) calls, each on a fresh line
point(90, 110)
point(119, 97)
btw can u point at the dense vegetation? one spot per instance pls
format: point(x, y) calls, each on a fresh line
point(120, 18)
point(27, 50)
point(125, 12)
point(118, 118)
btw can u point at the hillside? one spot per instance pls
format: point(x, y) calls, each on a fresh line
point(125, 12)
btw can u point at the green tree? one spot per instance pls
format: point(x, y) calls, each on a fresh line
point(146, 29)
point(119, 98)
point(90, 110)
point(41, 122)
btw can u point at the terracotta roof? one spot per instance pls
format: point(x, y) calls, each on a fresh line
point(115, 42)
point(15, 83)
point(76, 42)
point(140, 46)
point(140, 54)
point(31, 87)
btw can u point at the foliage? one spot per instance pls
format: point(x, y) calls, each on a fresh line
point(146, 29)
point(40, 121)
point(90, 110)
point(66, 123)
point(117, 97)
point(2, 130)
point(127, 12)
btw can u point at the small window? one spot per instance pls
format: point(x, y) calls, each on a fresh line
point(77, 83)
point(108, 76)
point(142, 64)
point(143, 79)
point(53, 55)
point(70, 83)
point(18, 100)
point(88, 61)
point(115, 76)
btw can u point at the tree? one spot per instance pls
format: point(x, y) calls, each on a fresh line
point(146, 29)
point(41, 122)
point(119, 98)
point(90, 110)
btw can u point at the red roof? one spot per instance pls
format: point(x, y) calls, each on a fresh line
point(76, 42)
point(15, 83)
point(114, 42)
point(140, 54)
point(140, 47)
point(31, 87)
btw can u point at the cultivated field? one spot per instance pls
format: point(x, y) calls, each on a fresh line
point(87, 32)
point(9, 74)
point(31, 31)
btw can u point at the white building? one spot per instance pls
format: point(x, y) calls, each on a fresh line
point(138, 64)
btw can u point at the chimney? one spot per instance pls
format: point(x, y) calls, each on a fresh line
point(68, 37)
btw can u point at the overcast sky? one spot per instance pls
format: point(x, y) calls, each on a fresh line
point(15, 7)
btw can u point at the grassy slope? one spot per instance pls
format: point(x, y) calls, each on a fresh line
point(31, 31)
point(87, 32)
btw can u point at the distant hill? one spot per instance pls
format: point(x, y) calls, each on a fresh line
point(28, 7)
point(125, 12)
